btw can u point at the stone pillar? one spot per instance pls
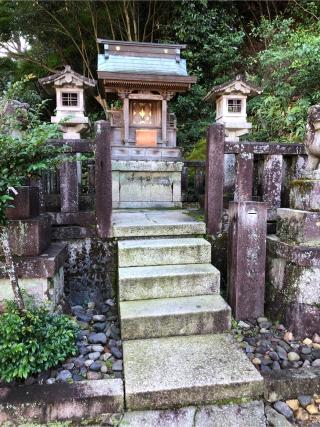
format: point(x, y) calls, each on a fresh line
point(164, 120)
point(214, 178)
point(271, 183)
point(126, 118)
point(103, 180)
point(300, 163)
point(246, 258)
point(244, 177)
point(69, 179)
point(69, 187)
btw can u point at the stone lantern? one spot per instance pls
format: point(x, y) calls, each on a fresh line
point(69, 88)
point(231, 106)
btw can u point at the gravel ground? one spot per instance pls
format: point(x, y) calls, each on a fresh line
point(271, 347)
point(99, 348)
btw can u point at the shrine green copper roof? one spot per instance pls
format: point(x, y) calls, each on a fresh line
point(142, 65)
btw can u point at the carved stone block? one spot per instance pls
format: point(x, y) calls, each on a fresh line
point(25, 204)
point(29, 237)
point(298, 226)
point(305, 194)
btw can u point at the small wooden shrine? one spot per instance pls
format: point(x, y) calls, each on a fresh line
point(142, 78)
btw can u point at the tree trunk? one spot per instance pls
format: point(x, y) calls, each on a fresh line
point(10, 267)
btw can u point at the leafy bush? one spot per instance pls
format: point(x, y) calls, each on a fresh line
point(28, 155)
point(288, 69)
point(33, 340)
point(213, 56)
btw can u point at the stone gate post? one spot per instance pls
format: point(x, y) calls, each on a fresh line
point(247, 258)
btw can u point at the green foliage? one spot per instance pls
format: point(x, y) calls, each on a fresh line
point(23, 145)
point(277, 43)
point(289, 69)
point(199, 151)
point(33, 340)
point(193, 117)
point(213, 40)
point(213, 55)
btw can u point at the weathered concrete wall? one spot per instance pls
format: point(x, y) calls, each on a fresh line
point(90, 270)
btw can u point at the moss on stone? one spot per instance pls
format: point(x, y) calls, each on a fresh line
point(277, 300)
point(288, 230)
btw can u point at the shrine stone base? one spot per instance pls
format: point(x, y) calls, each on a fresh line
point(146, 184)
point(293, 267)
point(293, 285)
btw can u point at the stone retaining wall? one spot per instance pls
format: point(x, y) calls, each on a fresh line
point(90, 270)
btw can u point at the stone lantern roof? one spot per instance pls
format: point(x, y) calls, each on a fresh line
point(67, 77)
point(235, 86)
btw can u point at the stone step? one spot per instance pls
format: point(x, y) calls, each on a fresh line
point(179, 371)
point(167, 281)
point(144, 223)
point(166, 317)
point(144, 252)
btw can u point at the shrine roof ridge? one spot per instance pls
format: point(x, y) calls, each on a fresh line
point(142, 44)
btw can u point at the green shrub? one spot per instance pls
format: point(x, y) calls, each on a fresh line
point(33, 340)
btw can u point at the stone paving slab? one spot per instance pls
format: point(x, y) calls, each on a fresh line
point(242, 415)
point(167, 281)
point(136, 253)
point(187, 370)
point(172, 418)
point(249, 414)
point(143, 223)
point(165, 317)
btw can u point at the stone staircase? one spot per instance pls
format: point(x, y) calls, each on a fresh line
point(173, 319)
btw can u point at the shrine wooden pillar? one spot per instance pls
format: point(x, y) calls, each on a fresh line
point(125, 97)
point(164, 119)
